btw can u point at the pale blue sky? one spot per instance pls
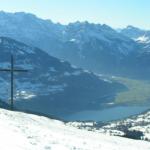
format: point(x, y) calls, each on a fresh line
point(116, 13)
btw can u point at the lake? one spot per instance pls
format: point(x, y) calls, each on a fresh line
point(108, 114)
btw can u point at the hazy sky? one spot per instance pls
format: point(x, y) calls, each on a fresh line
point(116, 13)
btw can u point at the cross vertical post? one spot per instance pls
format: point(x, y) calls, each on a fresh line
point(12, 83)
point(12, 70)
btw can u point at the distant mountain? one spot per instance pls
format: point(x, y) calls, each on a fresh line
point(139, 60)
point(51, 86)
point(95, 47)
point(137, 34)
point(29, 29)
point(132, 32)
point(92, 46)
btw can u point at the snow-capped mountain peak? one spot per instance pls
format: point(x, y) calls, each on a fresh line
point(143, 39)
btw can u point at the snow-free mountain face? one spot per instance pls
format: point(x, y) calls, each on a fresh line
point(51, 86)
point(20, 131)
point(92, 46)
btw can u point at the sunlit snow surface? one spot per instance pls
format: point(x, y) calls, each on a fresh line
point(143, 39)
point(20, 131)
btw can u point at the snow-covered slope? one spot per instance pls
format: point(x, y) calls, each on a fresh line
point(20, 131)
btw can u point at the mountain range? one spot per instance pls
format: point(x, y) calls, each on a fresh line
point(95, 47)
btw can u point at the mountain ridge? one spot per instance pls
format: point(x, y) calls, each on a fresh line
point(94, 47)
point(51, 85)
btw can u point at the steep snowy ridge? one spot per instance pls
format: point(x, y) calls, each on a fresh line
point(20, 131)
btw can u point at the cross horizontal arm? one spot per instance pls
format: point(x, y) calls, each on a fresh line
point(19, 70)
point(5, 69)
point(14, 70)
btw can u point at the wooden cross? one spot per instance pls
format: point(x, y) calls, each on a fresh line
point(12, 70)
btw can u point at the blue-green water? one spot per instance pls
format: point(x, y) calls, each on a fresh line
point(109, 114)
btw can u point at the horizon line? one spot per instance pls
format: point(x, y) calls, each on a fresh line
point(72, 22)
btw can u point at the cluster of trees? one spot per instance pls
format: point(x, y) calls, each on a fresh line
point(134, 134)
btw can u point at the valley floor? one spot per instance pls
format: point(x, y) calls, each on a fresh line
point(20, 131)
